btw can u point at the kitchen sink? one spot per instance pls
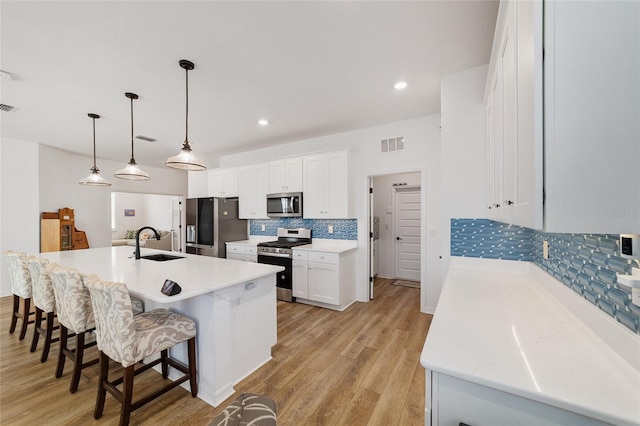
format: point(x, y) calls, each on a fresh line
point(161, 257)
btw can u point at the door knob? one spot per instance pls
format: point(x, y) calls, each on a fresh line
point(398, 238)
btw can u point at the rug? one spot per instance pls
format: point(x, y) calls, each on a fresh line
point(404, 283)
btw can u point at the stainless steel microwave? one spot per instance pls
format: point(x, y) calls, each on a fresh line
point(288, 204)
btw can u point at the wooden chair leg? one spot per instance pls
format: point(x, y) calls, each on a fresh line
point(193, 381)
point(127, 395)
point(14, 314)
point(77, 366)
point(102, 390)
point(25, 318)
point(37, 329)
point(61, 354)
point(165, 366)
point(48, 336)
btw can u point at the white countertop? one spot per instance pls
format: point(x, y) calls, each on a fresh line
point(502, 329)
point(329, 246)
point(252, 241)
point(144, 278)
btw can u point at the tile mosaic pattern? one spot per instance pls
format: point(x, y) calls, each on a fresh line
point(343, 229)
point(489, 239)
point(586, 263)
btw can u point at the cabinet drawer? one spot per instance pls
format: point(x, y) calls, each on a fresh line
point(236, 249)
point(252, 250)
point(299, 255)
point(323, 257)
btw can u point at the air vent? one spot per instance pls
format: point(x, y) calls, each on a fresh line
point(393, 144)
point(7, 108)
point(145, 138)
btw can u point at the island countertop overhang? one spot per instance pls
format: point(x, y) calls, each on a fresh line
point(196, 275)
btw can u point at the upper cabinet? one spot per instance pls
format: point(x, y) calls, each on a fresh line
point(223, 183)
point(592, 111)
point(285, 175)
point(513, 97)
point(253, 189)
point(326, 186)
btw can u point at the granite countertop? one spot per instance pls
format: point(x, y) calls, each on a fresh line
point(502, 329)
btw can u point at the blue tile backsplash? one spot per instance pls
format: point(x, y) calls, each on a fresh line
point(489, 239)
point(585, 263)
point(343, 229)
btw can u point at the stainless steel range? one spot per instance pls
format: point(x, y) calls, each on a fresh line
point(280, 253)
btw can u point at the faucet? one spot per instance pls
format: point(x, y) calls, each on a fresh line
point(138, 239)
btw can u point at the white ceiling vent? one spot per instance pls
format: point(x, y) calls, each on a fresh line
point(7, 108)
point(393, 144)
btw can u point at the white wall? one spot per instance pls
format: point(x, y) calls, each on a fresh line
point(20, 211)
point(383, 194)
point(38, 178)
point(464, 182)
point(421, 154)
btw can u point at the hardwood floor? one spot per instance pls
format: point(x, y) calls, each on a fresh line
point(357, 367)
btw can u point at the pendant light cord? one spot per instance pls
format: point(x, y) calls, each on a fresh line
point(186, 119)
point(132, 130)
point(94, 142)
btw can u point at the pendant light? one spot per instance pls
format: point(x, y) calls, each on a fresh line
point(132, 171)
point(185, 160)
point(94, 178)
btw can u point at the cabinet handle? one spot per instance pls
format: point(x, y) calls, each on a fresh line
point(489, 207)
point(509, 202)
point(496, 205)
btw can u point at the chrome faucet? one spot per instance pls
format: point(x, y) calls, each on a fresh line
point(138, 239)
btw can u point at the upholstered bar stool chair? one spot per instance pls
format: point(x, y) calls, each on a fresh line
point(21, 289)
point(45, 303)
point(75, 315)
point(127, 339)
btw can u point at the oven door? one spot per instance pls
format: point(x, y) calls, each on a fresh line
point(283, 278)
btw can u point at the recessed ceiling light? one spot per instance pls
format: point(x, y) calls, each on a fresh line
point(263, 122)
point(400, 85)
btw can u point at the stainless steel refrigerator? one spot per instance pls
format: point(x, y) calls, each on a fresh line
point(211, 222)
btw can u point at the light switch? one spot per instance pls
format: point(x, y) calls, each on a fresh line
point(330, 230)
point(545, 249)
point(263, 227)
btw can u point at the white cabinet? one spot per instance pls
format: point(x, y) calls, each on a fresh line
point(223, 183)
point(324, 279)
point(592, 110)
point(247, 253)
point(285, 175)
point(326, 186)
point(452, 401)
point(514, 116)
point(253, 188)
point(300, 284)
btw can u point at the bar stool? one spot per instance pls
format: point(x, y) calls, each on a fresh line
point(75, 314)
point(127, 339)
point(45, 303)
point(21, 289)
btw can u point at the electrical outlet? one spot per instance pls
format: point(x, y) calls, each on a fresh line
point(545, 249)
point(263, 227)
point(330, 229)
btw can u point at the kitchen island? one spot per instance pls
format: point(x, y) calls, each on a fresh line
point(233, 304)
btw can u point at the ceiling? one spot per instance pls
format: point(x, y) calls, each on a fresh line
point(310, 68)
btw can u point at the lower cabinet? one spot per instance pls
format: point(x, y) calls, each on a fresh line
point(323, 278)
point(453, 401)
point(242, 252)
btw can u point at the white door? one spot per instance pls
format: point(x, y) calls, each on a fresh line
point(407, 230)
point(176, 224)
point(371, 241)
